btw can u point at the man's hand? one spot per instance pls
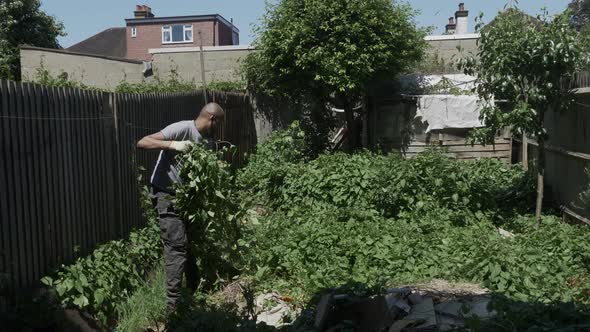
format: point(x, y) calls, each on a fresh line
point(180, 146)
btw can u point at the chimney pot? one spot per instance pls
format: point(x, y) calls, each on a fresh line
point(462, 20)
point(143, 11)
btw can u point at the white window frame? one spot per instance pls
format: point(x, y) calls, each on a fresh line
point(185, 28)
point(133, 32)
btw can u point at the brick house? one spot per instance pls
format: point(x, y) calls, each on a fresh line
point(146, 31)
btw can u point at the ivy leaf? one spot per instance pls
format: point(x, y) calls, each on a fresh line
point(99, 296)
point(47, 281)
point(81, 301)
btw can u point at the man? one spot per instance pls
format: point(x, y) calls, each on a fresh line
point(172, 140)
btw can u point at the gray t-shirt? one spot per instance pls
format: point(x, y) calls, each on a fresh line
point(166, 170)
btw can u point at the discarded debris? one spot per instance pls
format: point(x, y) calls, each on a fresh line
point(273, 309)
point(404, 309)
point(505, 233)
point(423, 311)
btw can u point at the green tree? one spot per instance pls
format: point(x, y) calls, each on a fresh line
point(23, 22)
point(530, 65)
point(332, 50)
point(580, 13)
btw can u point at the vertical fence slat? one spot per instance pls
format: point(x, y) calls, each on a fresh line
point(61, 176)
point(4, 220)
point(116, 111)
point(23, 215)
point(102, 140)
point(70, 175)
point(8, 200)
point(93, 176)
point(48, 178)
point(35, 160)
point(74, 143)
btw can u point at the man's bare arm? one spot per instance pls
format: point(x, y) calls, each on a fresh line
point(155, 141)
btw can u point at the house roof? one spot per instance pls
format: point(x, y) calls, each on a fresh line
point(178, 19)
point(110, 42)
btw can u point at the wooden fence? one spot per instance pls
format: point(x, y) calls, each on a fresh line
point(68, 168)
point(567, 156)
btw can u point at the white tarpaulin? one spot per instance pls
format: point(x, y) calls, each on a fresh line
point(449, 111)
point(411, 83)
point(461, 81)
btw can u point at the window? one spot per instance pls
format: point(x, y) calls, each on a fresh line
point(133, 32)
point(177, 33)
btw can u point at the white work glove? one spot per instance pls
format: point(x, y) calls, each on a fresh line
point(180, 146)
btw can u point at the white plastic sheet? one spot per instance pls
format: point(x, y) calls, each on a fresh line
point(460, 81)
point(449, 111)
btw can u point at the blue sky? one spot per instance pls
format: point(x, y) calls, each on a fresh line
point(84, 18)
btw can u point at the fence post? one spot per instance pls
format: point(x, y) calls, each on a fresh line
point(525, 151)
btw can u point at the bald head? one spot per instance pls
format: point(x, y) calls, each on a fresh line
point(213, 109)
point(210, 117)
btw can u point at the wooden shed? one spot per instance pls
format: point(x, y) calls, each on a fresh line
point(391, 124)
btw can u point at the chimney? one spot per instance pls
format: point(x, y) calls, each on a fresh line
point(462, 19)
point(451, 27)
point(143, 11)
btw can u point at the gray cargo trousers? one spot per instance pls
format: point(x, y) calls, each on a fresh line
point(178, 258)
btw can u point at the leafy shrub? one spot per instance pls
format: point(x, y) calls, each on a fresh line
point(339, 179)
point(267, 168)
point(432, 179)
point(206, 200)
point(100, 282)
point(387, 183)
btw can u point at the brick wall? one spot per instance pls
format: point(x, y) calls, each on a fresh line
point(150, 36)
point(225, 35)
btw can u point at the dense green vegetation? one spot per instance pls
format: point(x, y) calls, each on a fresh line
point(299, 226)
point(99, 283)
point(379, 220)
